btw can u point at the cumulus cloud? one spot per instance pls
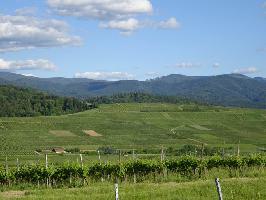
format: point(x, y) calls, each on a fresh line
point(186, 65)
point(105, 75)
point(40, 64)
point(171, 23)
point(24, 32)
point(101, 9)
point(125, 26)
point(112, 14)
point(249, 70)
point(128, 26)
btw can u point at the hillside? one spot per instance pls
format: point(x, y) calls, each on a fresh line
point(227, 90)
point(136, 126)
point(22, 102)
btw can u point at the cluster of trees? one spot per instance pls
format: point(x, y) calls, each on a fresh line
point(21, 102)
point(138, 97)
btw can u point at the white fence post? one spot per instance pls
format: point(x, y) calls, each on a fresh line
point(81, 160)
point(116, 192)
point(99, 157)
point(46, 161)
point(219, 189)
point(17, 164)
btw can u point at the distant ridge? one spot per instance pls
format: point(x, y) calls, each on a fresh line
point(227, 90)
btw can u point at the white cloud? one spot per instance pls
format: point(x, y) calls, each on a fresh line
point(24, 32)
point(26, 11)
point(105, 75)
point(186, 65)
point(171, 23)
point(29, 75)
point(125, 26)
point(249, 70)
point(40, 64)
point(216, 65)
point(112, 14)
point(101, 9)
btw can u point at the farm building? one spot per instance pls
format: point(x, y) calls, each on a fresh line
point(58, 150)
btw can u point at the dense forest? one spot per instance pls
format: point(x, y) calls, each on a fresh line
point(224, 90)
point(138, 97)
point(21, 102)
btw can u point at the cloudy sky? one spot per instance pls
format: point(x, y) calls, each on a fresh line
point(132, 39)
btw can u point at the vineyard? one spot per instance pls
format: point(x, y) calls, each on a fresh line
point(142, 126)
point(182, 169)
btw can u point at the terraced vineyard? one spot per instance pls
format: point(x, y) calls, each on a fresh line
point(136, 126)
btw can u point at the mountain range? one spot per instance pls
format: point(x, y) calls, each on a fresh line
point(226, 90)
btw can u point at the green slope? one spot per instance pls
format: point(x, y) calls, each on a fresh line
point(138, 126)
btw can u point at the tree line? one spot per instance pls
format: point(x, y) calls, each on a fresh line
point(25, 102)
point(139, 97)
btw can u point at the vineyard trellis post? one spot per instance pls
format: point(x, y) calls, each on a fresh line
point(202, 150)
point(119, 156)
point(238, 148)
point(116, 192)
point(162, 155)
point(17, 164)
point(6, 165)
point(134, 174)
point(99, 156)
point(46, 167)
point(81, 160)
point(219, 189)
point(46, 161)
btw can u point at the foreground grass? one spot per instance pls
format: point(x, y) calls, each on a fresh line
point(242, 188)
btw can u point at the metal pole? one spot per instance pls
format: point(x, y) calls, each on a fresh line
point(219, 189)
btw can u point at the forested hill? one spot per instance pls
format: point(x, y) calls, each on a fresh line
point(21, 102)
point(226, 90)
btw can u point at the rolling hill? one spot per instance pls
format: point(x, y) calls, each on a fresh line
point(135, 126)
point(227, 90)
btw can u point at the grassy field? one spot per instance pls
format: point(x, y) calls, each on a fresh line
point(240, 188)
point(133, 126)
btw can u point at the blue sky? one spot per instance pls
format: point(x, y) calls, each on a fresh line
point(132, 39)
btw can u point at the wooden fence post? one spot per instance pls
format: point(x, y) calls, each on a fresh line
point(116, 192)
point(219, 189)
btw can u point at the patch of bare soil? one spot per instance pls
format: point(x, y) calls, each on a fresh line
point(92, 133)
